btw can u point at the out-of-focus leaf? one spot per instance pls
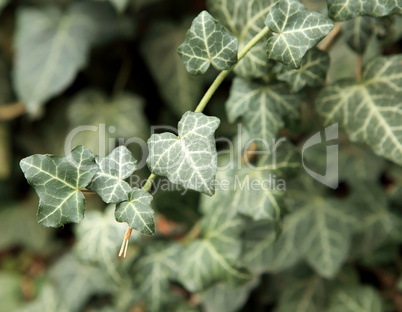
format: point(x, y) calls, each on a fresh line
point(103, 120)
point(4, 152)
point(137, 211)
point(261, 107)
point(215, 257)
point(341, 10)
point(245, 19)
point(179, 89)
point(354, 299)
point(109, 181)
point(120, 5)
point(207, 42)
point(190, 158)
point(297, 30)
point(73, 279)
point(99, 238)
point(47, 301)
point(312, 71)
point(11, 291)
point(358, 32)
point(52, 46)
point(3, 3)
point(58, 182)
point(152, 273)
point(370, 111)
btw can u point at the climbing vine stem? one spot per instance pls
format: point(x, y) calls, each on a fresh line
point(200, 108)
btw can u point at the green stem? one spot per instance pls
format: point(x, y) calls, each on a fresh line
point(148, 184)
point(221, 77)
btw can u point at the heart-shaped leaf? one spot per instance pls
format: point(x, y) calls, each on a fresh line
point(207, 42)
point(296, 30)
point(189, 159)
point(109, 182)
point(137, 212)
point(58, 181)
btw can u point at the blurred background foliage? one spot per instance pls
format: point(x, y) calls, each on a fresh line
point(117, 67)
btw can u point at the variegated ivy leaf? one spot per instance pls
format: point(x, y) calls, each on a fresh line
point(312, 71)
point(341, 10)
point(109, 182)
point(370, 111)
point(261, 107)
point(358, 32)
point(215, 256)
point(137, 212)
point(152, 272)
point(188, 159)
point(355, 299)
point(207, 42)
point(295, 30)
point(58, 181)
point(99, 239)
point(245, 19)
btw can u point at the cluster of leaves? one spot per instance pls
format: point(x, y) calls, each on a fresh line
point(291, 244)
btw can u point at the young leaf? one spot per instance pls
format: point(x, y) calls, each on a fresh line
point(245, 19)
point(58, 181)
point(190, 158)
point(207, 42)
point(341, 10)
point(108, 181)
point(261, 107)
point(358, 32)
point(137, 212)
point(355, 299)
point(369, 111)
point(312, 71)
point(296, 30)
point(99, 239)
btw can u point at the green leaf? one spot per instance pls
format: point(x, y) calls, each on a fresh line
point(355, 299)
point(207, 42)
point(265, 251)
point(137, 212)
point(120, 5)
point(261, 107)
point(369, 111)
point(358, 33)
point(152, 273)
point(58, 181)
point(296, 30)
point(312, 71)
point(11, 291)
point(3, 3)
point(215, 257)
point(108, 181)
point(73, 279)
point(245, 19)
point(179, 89)
point(47, 301)
point(111, 118)
point(52, 46)
point(98, 240)
point(341, 10)
point(189, 159)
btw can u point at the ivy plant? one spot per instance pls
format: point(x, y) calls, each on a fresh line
point(278, 189)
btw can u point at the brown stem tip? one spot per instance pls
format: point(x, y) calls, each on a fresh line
point(124, 246)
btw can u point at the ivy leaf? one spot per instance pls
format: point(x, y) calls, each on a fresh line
point(179, 89)
point(137, 212)
point(245, 19)
point(312, 71)
point(296, 30)
point(98, 240)
point(354, 299)
point(261, 107)
point(207, 42)
point(108, 181)
point(369, 111)
point(58, 181)
point(341, 10)
point(48, 37)
point(152, 273)
point(189, 159)
point(215, 257)
point(358, 32)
